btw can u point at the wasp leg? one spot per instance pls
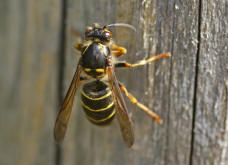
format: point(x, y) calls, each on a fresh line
point(118, 50)
point(142, 62)
point(141, 106)
point(79, 47)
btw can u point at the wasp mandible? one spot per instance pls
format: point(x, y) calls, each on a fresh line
point(101, 96)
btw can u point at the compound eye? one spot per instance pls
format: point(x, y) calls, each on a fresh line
point(107, 34)
point(88, 29)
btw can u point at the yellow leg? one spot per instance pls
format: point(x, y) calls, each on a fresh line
point(141, 106)
point(118, 50)
point(142, 62)
point(79, 47)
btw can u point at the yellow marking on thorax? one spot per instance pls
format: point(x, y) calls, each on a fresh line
point(86, 48)
point(98, 110)
point(96, 70)
point(99, 98)
point(87, 69)
point(100, 70)
point(102, 120)
point(102, 46)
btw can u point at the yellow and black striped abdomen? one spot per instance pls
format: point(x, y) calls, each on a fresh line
point(97, 102)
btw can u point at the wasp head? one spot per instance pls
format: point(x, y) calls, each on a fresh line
point(98, 33)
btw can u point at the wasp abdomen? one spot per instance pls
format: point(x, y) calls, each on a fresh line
point(97, 102)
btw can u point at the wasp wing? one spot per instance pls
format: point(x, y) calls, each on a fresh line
point(121, 109)
point(66, 108)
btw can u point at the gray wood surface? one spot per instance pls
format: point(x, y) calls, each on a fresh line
point(211, 116)
point(189, 90)
point(28, 81)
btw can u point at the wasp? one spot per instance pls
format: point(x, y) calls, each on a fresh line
point(101, 94)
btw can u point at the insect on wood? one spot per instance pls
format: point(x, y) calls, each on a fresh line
point(101, 94)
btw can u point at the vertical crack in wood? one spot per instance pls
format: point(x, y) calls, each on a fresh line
point(61, 61)
point(195, 83)
point(170, 82)
point(224, 151)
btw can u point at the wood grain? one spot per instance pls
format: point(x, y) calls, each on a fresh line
point(189, 91)
point(160, 85)
point(169, 86)
point(28, 60)
point(211, 119)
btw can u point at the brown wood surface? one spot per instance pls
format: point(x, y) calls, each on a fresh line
point(189, 90)
point(28, 81)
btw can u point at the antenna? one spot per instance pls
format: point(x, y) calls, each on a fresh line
point(121, 25)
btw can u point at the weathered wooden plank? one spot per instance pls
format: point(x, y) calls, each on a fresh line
point(211, 126)
point(166, 86)
point(28, 60)
point(182, 81)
